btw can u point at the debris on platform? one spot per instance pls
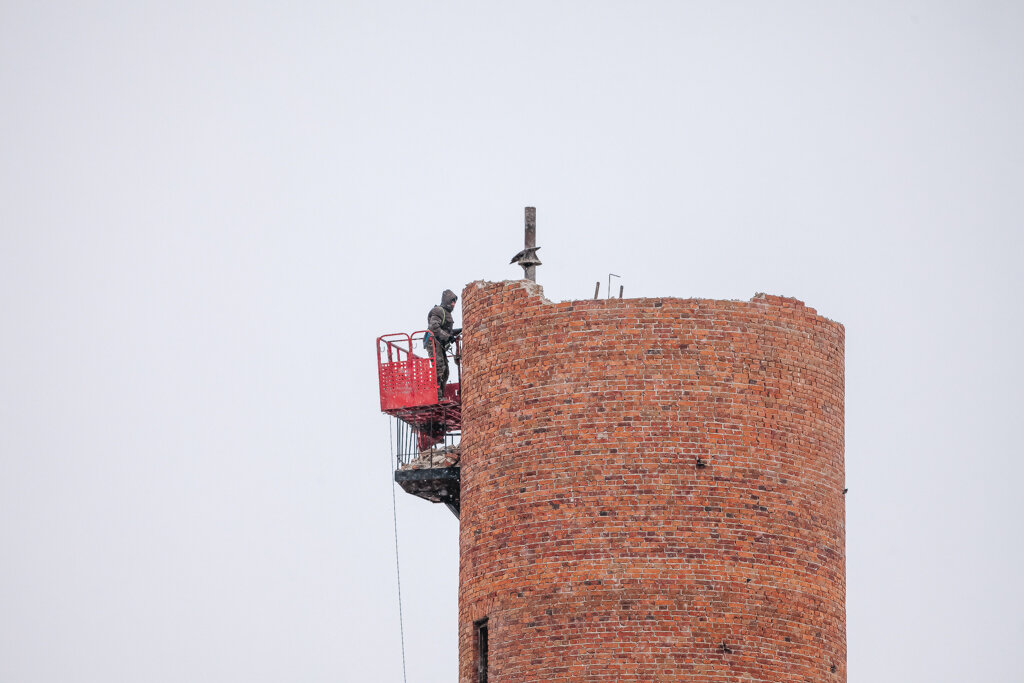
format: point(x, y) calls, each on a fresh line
point(434, 457)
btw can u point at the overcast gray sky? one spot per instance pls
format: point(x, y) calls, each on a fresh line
point(209, 210)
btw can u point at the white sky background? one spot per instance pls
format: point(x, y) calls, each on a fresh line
point(208, 212)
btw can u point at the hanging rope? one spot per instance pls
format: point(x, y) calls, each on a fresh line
point(398, 569)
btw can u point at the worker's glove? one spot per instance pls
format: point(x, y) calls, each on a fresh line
point(456, 331)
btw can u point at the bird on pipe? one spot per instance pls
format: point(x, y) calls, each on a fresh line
point(526, 256)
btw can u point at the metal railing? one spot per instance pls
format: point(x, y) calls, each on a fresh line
point(408, 379)
point(407, 451)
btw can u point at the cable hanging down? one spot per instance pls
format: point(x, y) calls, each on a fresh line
point(398, 569)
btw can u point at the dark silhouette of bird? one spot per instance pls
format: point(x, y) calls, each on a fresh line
point(530, 252)
point(832, 668)
point(701, 464)
point(844, 491)
point(726, 649)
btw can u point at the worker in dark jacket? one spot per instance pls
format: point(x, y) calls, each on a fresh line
point(440, 324)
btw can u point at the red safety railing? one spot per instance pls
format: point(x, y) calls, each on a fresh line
point(408, 380)
point(408, 386)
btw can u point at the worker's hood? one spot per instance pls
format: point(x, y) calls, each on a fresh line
point(448, 300)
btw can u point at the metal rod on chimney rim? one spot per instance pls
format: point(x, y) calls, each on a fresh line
point(610, 276)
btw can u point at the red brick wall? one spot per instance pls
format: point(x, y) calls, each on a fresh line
point(590, 538)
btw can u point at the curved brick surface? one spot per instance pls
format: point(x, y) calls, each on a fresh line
point(592, 541)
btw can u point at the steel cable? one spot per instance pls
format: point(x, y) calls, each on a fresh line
point(398, 569)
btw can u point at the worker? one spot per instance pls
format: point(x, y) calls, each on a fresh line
point(442, 333)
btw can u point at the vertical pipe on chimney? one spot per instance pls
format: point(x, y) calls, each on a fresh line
point(531, 239)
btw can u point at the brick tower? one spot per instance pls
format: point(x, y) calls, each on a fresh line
point(652, 490)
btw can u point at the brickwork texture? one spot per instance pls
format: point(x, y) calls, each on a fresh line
point(651, 489)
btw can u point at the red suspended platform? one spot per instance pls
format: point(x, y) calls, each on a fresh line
point(408, 386)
